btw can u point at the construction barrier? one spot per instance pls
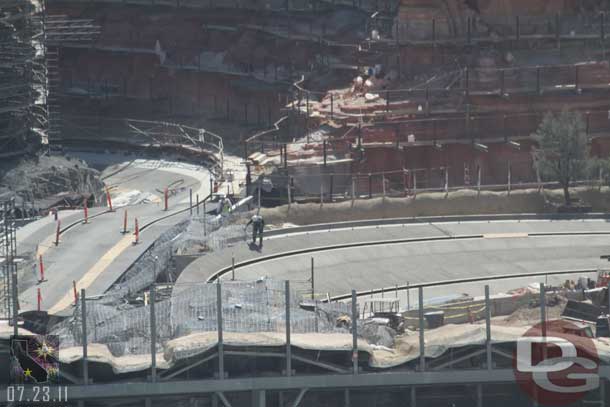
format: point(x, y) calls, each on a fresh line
point(124, 222)
point(75, 293)
point(86, 210)
point(41, 269)
point(109, 199)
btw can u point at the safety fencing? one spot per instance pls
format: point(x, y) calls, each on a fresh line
point(233, 306)
point(471, 30)
point(333, 187)
point(435, 95)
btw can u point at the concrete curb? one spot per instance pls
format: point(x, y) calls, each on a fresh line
point(437, 219)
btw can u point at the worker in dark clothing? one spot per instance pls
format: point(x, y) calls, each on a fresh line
point(258, 225)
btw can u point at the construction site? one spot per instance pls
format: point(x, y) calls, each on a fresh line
point(323, 203)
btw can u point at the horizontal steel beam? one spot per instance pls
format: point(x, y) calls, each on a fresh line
point(313, 382)
point(197, 387)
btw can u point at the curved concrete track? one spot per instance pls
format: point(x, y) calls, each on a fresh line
point(372, 257)
point(95, 255)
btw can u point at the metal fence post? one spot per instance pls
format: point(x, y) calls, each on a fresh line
point(324, 151)
point(354, 333)
point(191, 201)
point(313, 287)
point(221, 356)
point(232, 268)
point(408, 297)
point(288, 346)
point(488, 327)
point(153, 336)
point(205, 225)
point(414, 184)
point(84, 338)
point(509, 177)
point(478, 180)
point(321, 192)
point(422, 344)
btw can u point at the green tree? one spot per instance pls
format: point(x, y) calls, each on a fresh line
point(562, 153)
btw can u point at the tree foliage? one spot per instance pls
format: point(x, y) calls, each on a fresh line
point(562, 153)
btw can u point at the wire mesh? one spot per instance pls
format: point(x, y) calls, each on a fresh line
point(247, 307)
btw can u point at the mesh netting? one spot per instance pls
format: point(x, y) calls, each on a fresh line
point(247, 307)
point(193, 236)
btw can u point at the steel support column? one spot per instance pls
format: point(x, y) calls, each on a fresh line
point(221, 357)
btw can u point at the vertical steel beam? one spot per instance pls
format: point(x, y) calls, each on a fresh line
point(288, 345)
point(354, 333)
point(153, 335)
point(422, 344)
point(558, 29)
point(83, 303)
point(221, 356)
point(502, 82)
point(324, 150)
point(543, 309)
point(259, 398)
point(488, 328)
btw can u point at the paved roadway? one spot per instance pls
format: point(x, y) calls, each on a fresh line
point(502, 248)
point(96, 254)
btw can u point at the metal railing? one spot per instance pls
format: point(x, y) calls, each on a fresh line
point(433, 96)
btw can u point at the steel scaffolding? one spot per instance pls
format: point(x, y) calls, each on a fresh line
point(29, 49)
point(8, 251)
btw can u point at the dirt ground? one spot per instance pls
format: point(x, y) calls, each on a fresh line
point(462, 202)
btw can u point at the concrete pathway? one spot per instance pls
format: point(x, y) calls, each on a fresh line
point(95, 255)
point(502, 248)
